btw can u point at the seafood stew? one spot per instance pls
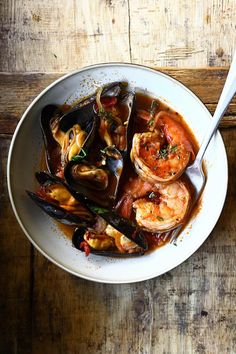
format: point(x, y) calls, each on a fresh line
point(115, 164)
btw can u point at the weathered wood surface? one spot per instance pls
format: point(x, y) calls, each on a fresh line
point(57, 36)
point(45, 310)
point(42, 308)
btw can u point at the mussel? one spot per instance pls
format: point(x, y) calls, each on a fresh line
point(66, 133)
point(100, 245)
point(101, 169)
point(55, 199)
point(50, 116)
point(114, 128)
point(87, 147)
point(99, 183)
point(126, 227)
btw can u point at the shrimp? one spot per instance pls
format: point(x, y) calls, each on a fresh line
point(165, 210)
point(163, 154)
point(134, 188)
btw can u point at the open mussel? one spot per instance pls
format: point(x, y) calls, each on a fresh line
point(105, 245)
point(62, 145)
point(101, 169)
point(65, 134)
point(114, 127)
point(84, 111)
point(50, 116)
point(118, 223)
point(98, 181)
point(54, 198)
point(110, 90)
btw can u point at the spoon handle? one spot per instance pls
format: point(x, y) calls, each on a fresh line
point(227, 94)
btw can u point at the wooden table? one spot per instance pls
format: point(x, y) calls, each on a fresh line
point(42, 308)
point(188, 310)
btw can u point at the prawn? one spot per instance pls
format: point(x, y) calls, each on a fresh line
point(165, 210)
point(163, 154)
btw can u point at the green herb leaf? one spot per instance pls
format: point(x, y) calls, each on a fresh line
point(152, 195)
point(151, 122)
point(98, 210)
point(160, 218)
point(80, 156)
point(152, 111)
point(153, 108)
point(174, 148)
point(163, 153)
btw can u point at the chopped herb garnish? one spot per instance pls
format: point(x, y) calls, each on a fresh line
point(160, 218)
point(153, 108)
point(178, 157)
point(80, 156)
point(163, 153)
point(152, 195)
point(101, 111)
point(152, 111)
point(98, 210)
point(106, 115)
point(174, 148)
point(151, 122)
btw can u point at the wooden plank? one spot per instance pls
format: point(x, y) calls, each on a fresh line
point(15, 270)
point(182, 33)
point(18, 90)
point(54, 36)
point(58, 36)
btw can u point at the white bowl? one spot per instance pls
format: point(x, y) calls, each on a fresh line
point(26, 152)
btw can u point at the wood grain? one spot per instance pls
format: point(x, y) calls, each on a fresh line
point(16, 272)
point(191, 309)
point(57, 36)
point(18, 90)
point(188, 310)
point(182, 33)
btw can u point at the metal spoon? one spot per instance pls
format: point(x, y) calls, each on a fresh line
point(194, 172)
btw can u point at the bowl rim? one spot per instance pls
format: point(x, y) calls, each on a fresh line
point(9, 160)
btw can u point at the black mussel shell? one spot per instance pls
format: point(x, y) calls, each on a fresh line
point(110, 90)
point(83, 112)
point(83, 116)
point(78, 238)
point(101, 183)
point(52, 148)
point(128, 100)
point(54, 210)
point(123, 225)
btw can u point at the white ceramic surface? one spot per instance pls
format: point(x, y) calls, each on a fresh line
point(26, 151)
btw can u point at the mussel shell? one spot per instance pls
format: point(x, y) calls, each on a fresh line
point(123, 225)
point(113, 164)
point(56, 212)
point(78, 238)
point(128, 99)
point(52, 209)
point(83, 112)
point(110, 90)
point(52, 148)
point(83, 116)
